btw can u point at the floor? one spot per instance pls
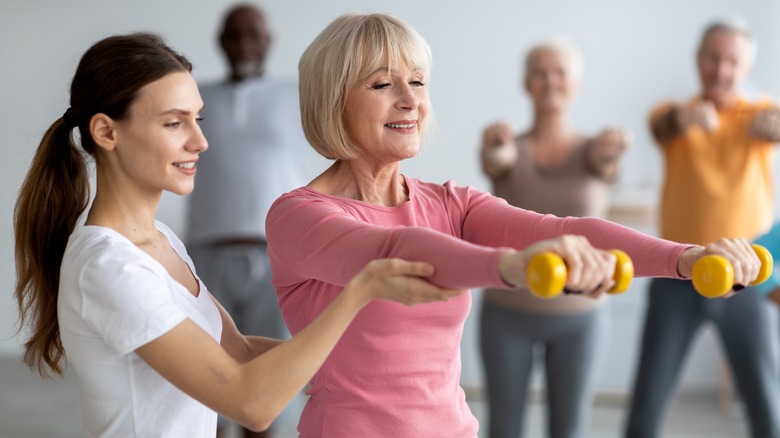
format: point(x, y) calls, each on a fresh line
point(31, 407)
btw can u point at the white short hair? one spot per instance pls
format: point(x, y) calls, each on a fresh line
point(562, 45)
point(733, 25)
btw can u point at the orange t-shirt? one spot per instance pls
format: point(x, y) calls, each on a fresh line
point(718, 184)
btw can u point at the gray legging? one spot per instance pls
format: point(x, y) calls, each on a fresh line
point(572, 342)
point(674, 313)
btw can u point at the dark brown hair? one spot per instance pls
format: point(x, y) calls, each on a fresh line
point(55, 191)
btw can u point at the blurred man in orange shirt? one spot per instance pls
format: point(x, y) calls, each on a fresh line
point(718, 153)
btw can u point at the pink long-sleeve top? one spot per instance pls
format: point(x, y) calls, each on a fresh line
point(396, 370)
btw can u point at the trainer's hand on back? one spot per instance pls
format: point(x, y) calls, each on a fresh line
point(589, 270)
point(400, 281)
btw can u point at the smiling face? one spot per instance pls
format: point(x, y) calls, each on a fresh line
point(385, 113)
point(723, 61)
point(157, 145)
point(550, 80)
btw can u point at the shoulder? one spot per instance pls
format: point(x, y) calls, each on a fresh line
point(300, 195)
point(282, 87)
point(100, 255)
point(759, 103)
point(99, 244)
point(450, 191)
point(174, 240)
point(301, 198)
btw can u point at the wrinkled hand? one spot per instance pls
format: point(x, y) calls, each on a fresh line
point(700, 113)
point(400, 281)
point(590, 270)
point(737, 251)
point(766, 125)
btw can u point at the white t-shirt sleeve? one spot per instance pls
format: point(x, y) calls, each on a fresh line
point(127, 300)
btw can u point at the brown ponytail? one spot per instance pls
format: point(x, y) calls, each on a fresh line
point(56, 190)
point(53, 196)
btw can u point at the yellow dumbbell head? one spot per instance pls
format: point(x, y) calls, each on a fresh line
point(624, 272)
point(767, 264)
point(713, 276)
point(546, 275)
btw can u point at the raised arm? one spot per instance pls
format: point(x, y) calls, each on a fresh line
point(317, 240)
point(498, 152)
point(490, 221)
point(766, 125)
point(670, 120)
point(603, 152)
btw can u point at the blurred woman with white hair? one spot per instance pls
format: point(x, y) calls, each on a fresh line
point(550, 168)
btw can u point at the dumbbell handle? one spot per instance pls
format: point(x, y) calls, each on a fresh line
point(713, 275)
point(546, 274)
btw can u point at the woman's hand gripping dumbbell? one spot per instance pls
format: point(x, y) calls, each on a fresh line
point(725, 266)
point(547, 274)
point(713, 275)
point(568, 263)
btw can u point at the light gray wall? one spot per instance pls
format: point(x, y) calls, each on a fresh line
point(636, 53)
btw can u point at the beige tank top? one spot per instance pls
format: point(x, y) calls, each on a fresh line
point(568, 189)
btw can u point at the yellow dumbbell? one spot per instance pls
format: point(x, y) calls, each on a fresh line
point(713, 275)
point(546, 274)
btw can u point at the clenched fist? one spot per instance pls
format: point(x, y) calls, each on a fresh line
point(701, 113)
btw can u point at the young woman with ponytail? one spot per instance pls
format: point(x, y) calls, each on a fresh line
point(114, 292)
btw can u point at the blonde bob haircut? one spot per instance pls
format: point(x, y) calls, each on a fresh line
point(349, 50)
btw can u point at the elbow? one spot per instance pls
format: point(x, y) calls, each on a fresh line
point(256, 418)
point(260, 426)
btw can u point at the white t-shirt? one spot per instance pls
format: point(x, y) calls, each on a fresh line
point(113, 299)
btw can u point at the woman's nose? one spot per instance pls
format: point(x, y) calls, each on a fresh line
point(408, 98)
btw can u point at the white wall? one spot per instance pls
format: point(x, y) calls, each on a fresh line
point(637, 53)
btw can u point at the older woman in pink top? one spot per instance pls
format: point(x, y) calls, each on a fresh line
point(550, 168)
point(394, 373)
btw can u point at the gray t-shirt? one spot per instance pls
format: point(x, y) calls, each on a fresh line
point(257, 152)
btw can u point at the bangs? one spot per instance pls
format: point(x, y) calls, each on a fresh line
point(388, 43)
point(344, 54)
